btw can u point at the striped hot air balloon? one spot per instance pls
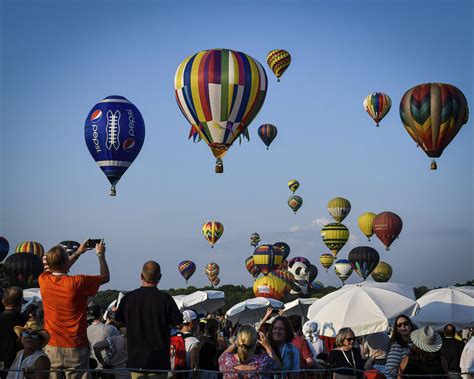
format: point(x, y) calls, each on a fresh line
point(335, 236)
point(267, 258)
point(251, 267)
point(30, 247)
point(382, 273)
point(433, 114)
point(339, 208)
point(387, 227)
point(269, 286)
point(278, 60)
point(212, 271)
point(287, 277)
point(186, 269)
point(366, 224)
point(220, 92)
point(267, 133)
point(343, 269)
point(293, 185)
point(212, 231)
point(377, 105)
point(326, 260)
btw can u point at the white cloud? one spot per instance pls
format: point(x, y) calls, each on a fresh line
point(296, 228)
point(317, 223)
point(320, 221)
point(354, 240)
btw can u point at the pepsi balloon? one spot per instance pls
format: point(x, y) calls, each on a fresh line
point(114, 132)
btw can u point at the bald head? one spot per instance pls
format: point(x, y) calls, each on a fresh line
point(151, 272)
point(449, 330)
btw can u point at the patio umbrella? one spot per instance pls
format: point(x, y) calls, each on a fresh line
point(202, 302)
point(366, 309)
point(452, 305)
point(251, 311)
point(299, 307)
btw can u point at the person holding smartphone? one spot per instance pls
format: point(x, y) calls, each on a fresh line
point(65, 305)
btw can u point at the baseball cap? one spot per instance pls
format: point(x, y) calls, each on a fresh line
point(189, 316)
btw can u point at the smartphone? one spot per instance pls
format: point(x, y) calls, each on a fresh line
point(92, 242)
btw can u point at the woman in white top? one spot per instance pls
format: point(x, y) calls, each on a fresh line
point(31, 362)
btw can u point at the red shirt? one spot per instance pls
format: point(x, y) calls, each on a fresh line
point(305, 352)
point(65, 306)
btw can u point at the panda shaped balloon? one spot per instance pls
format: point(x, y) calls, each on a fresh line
point(114, 132)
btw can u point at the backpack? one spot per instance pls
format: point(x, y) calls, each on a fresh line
point(178, 351)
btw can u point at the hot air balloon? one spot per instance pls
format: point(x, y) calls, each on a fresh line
point(27, 267)
point(187, 269)
point(283, 265)
point(255, 239)
point(30, 247)
point(278, 60)
point(267, 133)
point(387, 227)
point(335, 236)
point(269, 286)
point(313, 273)
point(377, 105)
point(293, 185)
point(363, 260)
point(284, 247)
point(252, 268)
point(326, 260)
point(212, 271)
point(343, 269)
point(220, 92)
point(215, 282)
point(287, 278)
point(212, 231)
point(300, 267)
point(382, 273)
point(267, 258)
point(366, 223)
point(4, 248)
point(70, 246)
point(114, 132)
point(295, 202)
point(339, 208)
point(432, 114)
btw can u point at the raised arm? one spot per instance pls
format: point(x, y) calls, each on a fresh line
point(103, 266)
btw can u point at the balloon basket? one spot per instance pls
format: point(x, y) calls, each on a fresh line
point(113, 191)
point(219, 166)
point(434, 165)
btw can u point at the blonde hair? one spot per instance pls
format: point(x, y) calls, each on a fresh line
point(246, 341)
point(57, 257)
point(341, 335)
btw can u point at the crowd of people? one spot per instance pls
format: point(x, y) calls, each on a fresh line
point(147, 336)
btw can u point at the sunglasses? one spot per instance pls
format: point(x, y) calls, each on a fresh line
point(402, 324)
point(32, 335)
point(350, 339)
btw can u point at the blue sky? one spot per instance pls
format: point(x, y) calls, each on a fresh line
point(59, 58)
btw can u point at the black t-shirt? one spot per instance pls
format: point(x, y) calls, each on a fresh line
point(8, 339)
point(148, 314)
point(350, 359)
point(208, 355)
point(451, 351)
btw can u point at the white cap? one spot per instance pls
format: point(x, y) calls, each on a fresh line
point(189, 316)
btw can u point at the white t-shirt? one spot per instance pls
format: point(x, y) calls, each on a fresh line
point(467, 359)
point(190, 343)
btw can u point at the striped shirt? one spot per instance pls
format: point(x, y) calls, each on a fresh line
point(395, 356)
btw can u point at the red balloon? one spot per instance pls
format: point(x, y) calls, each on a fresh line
point(387, 227)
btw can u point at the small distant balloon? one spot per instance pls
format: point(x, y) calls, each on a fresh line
point(267, 133)
point(293, 185)
point(212, 231)
point(70, 246)
point(278, 60)
point(366, 224)
point(295, 202)
point(377, 105)
point(387, 227)
point(255, 239)
point(339, 208)
point(186, 269)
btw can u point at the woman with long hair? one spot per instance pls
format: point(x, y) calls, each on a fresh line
point(280, 336)
point(400, 344)
point(347, 358)
point(245, 363)
point(425, 357)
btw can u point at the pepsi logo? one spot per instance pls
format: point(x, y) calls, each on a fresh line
point(96, 115)
point(128, 144)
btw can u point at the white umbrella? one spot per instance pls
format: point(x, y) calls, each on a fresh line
point(252, 310)
point(299, 307)
point(365, 308)
point(202, 302)
point(114, 304)
point(452, 305)
point(31, 296)
point(401, 289)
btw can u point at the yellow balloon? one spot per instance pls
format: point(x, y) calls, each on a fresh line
point(293, 185)
point(382, 273)
point(366, 222)
point(269, 286)
point(339, 208)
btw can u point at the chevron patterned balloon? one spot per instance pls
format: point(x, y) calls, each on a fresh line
point(278, 61)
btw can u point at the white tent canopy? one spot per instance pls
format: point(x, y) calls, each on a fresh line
point(202, 302)
point(299, 307)
point(31, 296)
point(366, 308)
point(251, 311)
point(452, 305)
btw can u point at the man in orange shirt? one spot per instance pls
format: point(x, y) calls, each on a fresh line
point(65, 304)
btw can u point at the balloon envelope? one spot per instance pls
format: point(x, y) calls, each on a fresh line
point(284, 247)
point(387, 227)
point(335, 236)
point(267, 133)
point(377, 105)
point(27, 267)
point(251, 267)
point(267, 258)
point(30, 247)
point(382, 273)
point(4, 248)
point(114, 132)
point(186, 269)
point(343, 269)
point(295, 202)
point(70, 246)
point(339, 208)
point(212, 231)
point(278, 60)
point(363, 260)
point(255, 239)
point(366, 223)
point(212, 271)
point(293, 185)
point(326, 260)
point(269, 286)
